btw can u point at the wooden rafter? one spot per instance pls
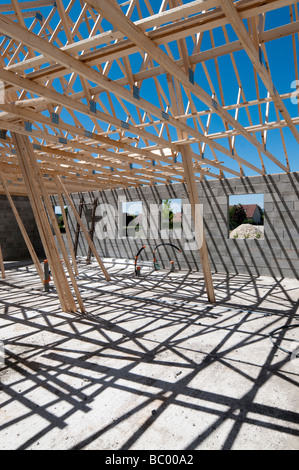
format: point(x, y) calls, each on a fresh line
point(150, 33)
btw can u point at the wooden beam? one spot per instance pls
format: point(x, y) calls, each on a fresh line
point(79, 221)
point(6, 7)
point(137, 36)
point(161, 36)
point(174, 22)
point(67, 302)
point(69, 102)
point(154, 21)
point(95, 138)
point(74, 104)
point(67, 230)
point(189, 174)
point(82, 69)
point(38, 117)
point(199, 230)
point(54, 223)
point(231, 13)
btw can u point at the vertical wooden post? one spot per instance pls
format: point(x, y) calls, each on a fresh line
point(199, 234)
point(189, 174)
point(54, 222)
point(77, 235)
point(63, 249)
point(34, 186)
point(92, 228)
point(2, 265)
point(84, 230)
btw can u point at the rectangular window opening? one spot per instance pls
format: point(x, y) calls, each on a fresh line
point(171, 214)
point(59, 217)
point(132, 218)
point(246, 216)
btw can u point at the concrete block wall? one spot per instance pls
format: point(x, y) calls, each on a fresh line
point(11, 239)
point(275, 255)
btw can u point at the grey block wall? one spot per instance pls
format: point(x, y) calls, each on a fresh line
point(11, 239)
point(275, 255)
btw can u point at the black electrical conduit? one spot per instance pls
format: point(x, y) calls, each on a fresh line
point(154, 251)
point(136, 257)
point(164, 244)
point(271, 334)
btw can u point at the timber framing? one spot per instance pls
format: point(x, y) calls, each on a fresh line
point(107, 94)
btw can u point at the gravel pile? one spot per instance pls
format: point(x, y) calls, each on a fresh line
point(248, 231)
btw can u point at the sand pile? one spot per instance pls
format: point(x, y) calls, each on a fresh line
point(248, 231)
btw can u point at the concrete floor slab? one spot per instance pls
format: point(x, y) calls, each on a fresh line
point(152, 365)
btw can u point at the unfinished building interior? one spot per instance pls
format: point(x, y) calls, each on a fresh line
point(149, 225)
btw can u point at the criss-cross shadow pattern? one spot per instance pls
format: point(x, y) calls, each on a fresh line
point(152, 365)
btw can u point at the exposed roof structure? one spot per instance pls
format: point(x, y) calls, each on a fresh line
point(111, 93)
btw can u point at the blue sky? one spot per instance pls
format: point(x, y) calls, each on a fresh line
point(280, 54)
point(247, 199)
point(58, 210)
point(135, 207)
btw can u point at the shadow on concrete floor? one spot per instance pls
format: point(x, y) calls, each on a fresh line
point(152, 365)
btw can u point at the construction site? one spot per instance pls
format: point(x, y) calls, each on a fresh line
point(149, 226)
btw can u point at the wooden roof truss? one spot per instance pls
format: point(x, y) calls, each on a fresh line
point(109, 91)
